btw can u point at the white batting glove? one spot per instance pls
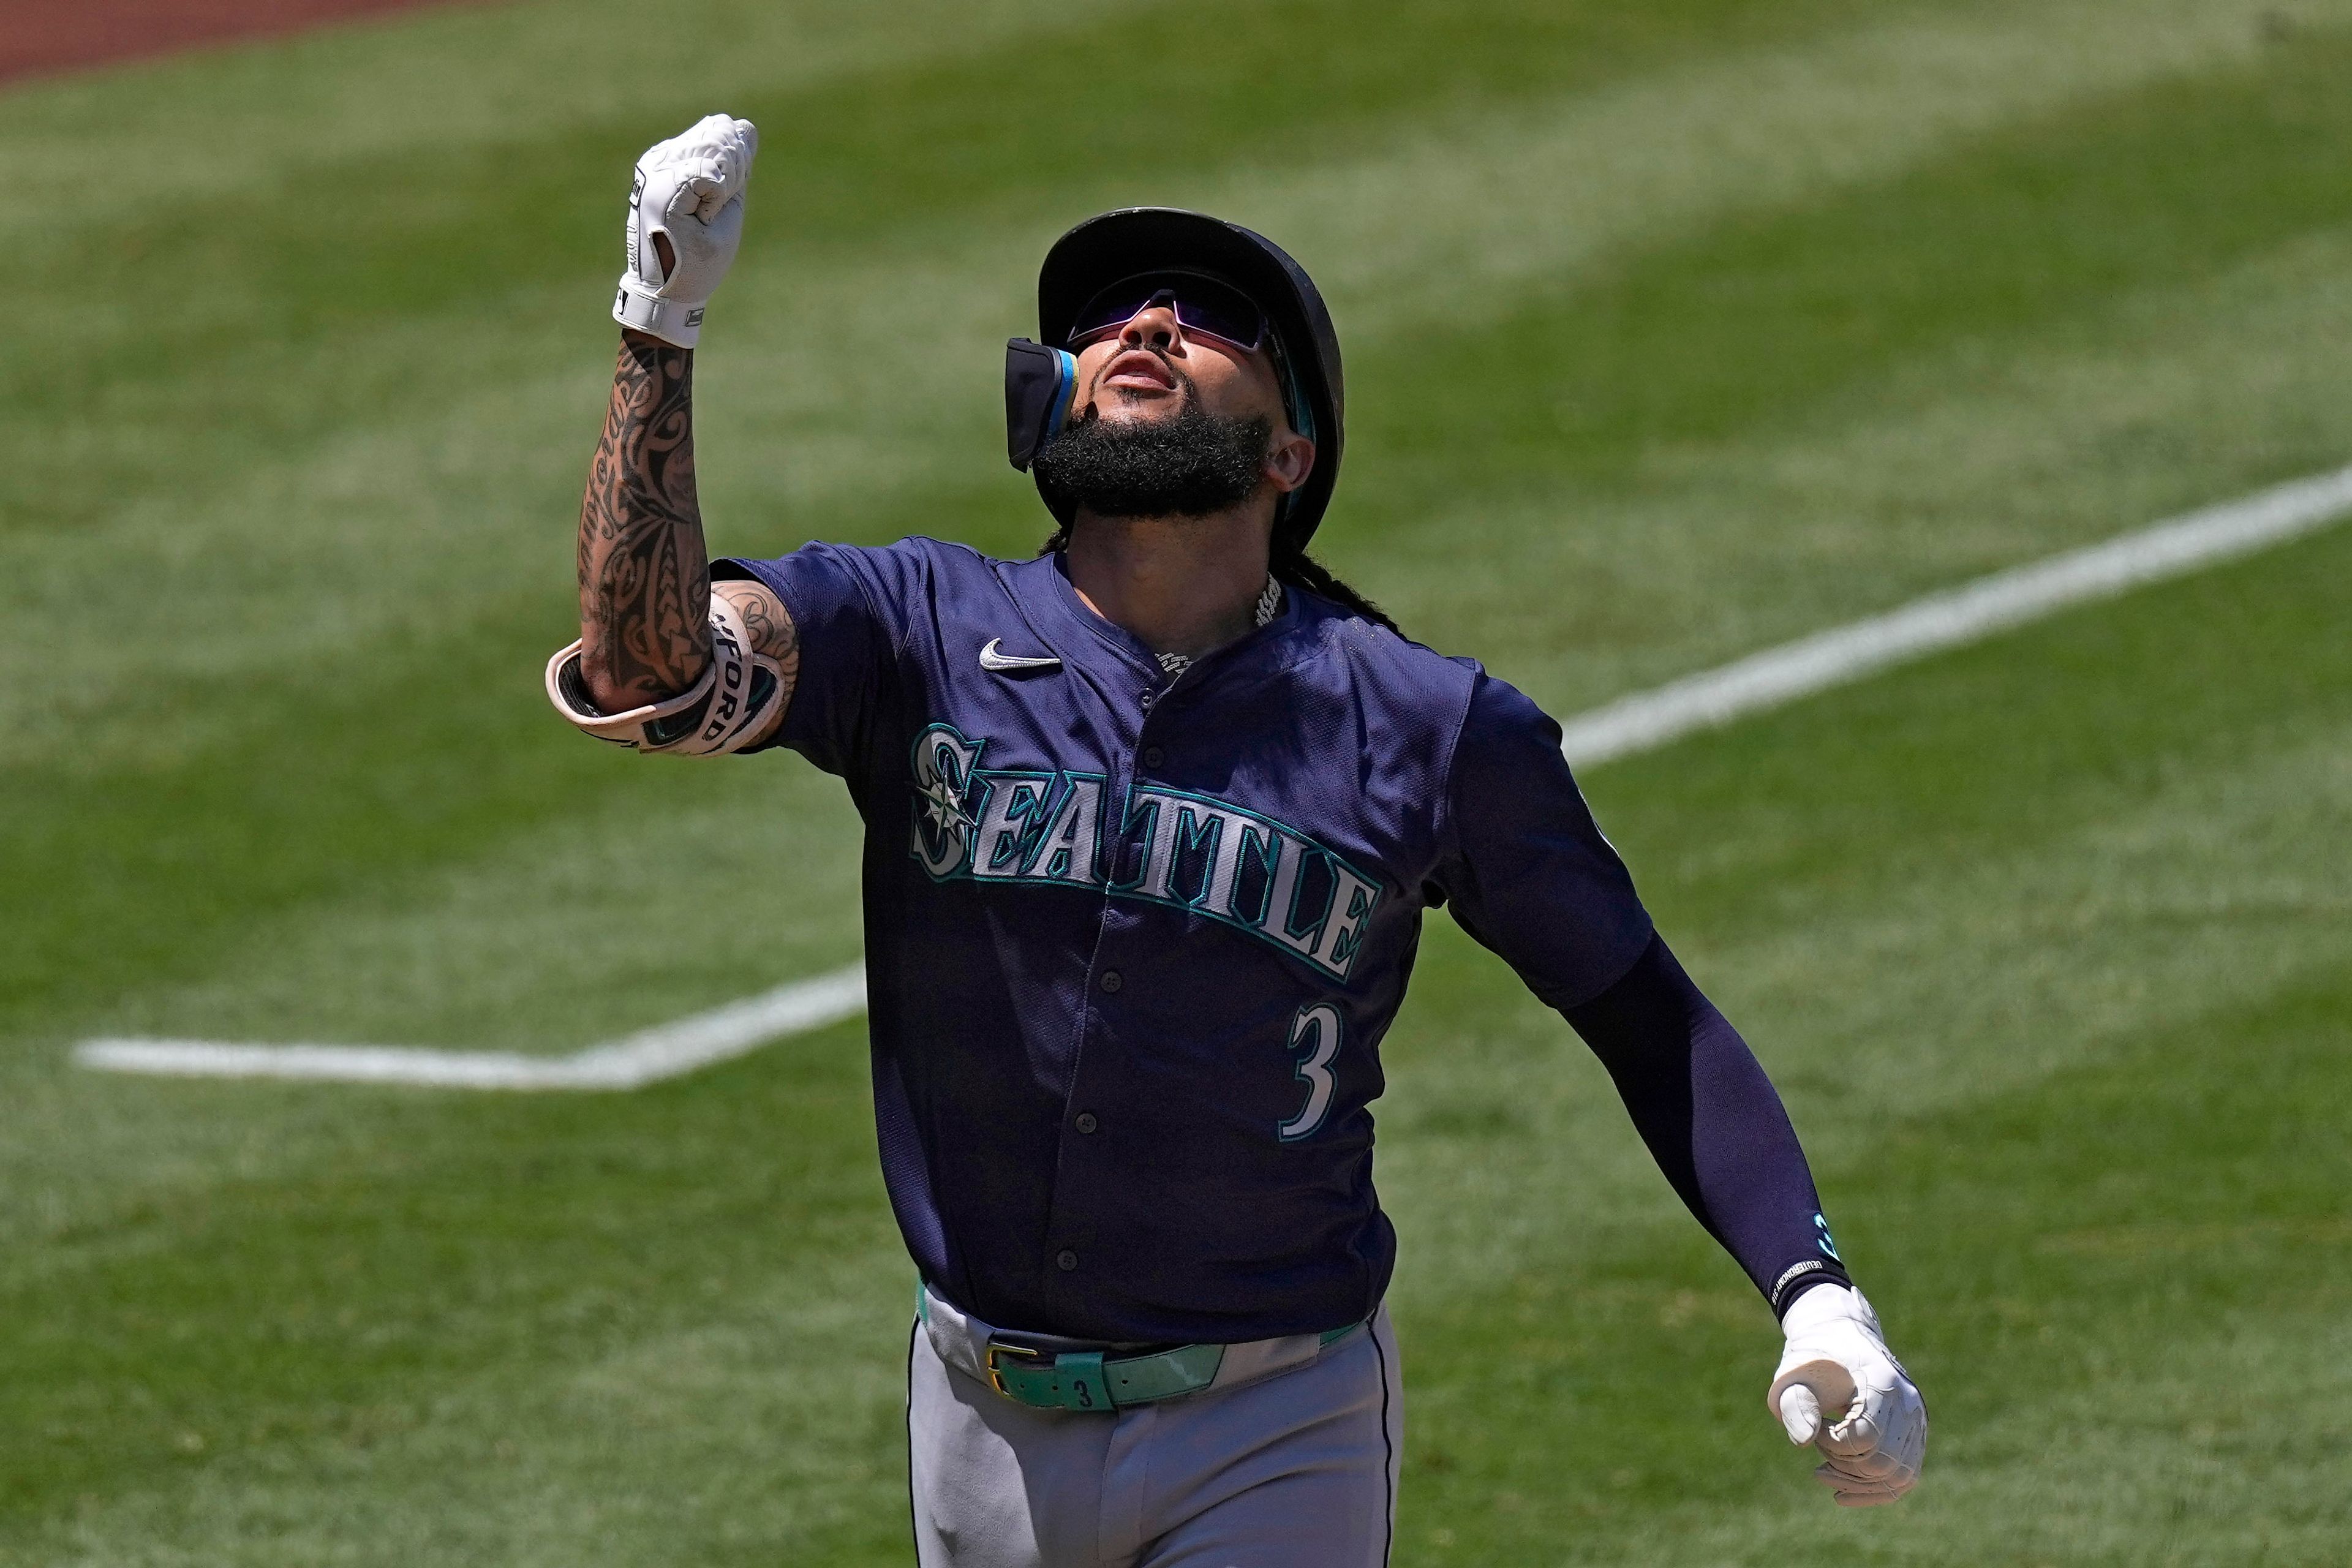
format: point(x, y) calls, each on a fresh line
point(1875, 1435)
point(688, 191)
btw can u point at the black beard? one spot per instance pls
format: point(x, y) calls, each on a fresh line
point(1190, 466)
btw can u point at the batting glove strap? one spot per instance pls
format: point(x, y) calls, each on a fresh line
point(1839, 1388)
point(671, 321)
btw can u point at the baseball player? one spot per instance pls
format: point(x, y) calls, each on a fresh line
point(1152, 820)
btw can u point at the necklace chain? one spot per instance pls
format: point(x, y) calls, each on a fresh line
point(1269, 604)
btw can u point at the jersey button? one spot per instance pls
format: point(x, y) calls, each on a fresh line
point(1065, 1260)
point(1153, 756)
point(1145, 700)
point(1086, 1122)
point(1110, 980)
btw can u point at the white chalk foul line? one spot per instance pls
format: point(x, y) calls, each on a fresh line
point(2168, 549)
point(1637, 724)
point(630, 1062)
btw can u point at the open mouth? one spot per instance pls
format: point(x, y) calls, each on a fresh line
point(1138, 370)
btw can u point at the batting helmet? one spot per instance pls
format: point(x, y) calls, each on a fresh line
point(1133, 241)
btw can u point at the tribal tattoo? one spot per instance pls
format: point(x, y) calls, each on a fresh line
point(644, 579)
point(769, 624)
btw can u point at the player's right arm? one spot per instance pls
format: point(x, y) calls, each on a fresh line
point(662, 664)
point(645, 632)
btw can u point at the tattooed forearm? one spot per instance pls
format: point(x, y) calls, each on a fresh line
point(644, 580)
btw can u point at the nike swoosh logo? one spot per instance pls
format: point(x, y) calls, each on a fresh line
point(991, 659)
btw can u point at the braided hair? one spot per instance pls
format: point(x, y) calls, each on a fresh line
point(1290, 563)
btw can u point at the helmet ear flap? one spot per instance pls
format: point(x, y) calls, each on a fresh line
point(1038, 382)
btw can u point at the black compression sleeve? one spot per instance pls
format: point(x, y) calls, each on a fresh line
point(1713, 1122)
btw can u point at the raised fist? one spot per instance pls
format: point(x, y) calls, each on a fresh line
point(685, 218)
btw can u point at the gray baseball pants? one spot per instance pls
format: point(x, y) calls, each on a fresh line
point(1288, 1460)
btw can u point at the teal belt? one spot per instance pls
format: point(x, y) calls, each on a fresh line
point(1087, 1379)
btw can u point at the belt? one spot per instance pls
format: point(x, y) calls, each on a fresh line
point(1103, 1380)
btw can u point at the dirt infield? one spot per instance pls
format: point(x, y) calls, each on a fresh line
point(43, 37)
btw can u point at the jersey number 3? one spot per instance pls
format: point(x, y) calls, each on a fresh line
point(1316, 1031)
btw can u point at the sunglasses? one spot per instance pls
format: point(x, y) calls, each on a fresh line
point(1203, 307)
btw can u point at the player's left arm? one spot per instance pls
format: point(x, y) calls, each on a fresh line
point(1529, 875)
point(1715, 1124)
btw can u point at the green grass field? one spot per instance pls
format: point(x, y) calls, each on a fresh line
point(1672, 331)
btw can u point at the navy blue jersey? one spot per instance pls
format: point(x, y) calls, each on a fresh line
point(1133, 941)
